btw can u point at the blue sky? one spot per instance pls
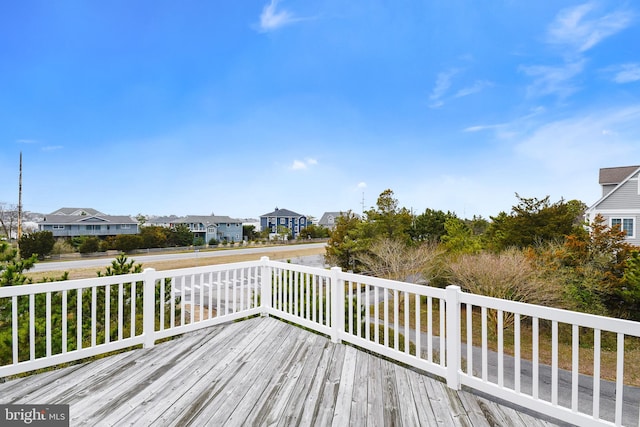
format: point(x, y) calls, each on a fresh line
point(163, 107)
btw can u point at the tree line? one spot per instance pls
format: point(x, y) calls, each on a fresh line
point(541, 252)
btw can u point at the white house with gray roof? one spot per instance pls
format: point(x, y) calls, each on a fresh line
point(216, 227)
point(620, 201)
point(75, 222)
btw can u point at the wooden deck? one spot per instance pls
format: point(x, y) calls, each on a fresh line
point(259, 371)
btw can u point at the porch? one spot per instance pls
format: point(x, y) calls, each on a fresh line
point(259, 371)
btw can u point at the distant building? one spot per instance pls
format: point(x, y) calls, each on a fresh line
point(75, 222)
point(293, 221)
point(620, 201)
point(220, 228)
point(328, 219)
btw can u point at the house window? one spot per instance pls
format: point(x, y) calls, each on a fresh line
point(58, 227)
point(283, 221)
point(123, 226)
point(625, 224)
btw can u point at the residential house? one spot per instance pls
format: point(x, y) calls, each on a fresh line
point(293, 221)
point(74, 222)
point(210, 227)
point(620, 201)
point(328, 219)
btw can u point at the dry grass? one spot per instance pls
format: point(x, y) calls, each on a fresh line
point(85, 273)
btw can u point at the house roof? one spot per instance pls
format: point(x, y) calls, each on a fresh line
point(205, 219)
point(325, 217)
point(616, 175)
point(613, 174)
point(87, 219)
point(76, 211)
point(281, 213)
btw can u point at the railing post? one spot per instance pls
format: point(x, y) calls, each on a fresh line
point(453, 336)
point(337, 305)
point(265, 286)
point(149, 307)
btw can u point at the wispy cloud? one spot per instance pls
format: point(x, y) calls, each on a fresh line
point(443, 83)
point(303, 164)
point(610, 133)
point(478, 86)
point(548, 80)
point(52, 148)
point(580, 28)
point(272, 19)
point(624, 73)
point(27, 141)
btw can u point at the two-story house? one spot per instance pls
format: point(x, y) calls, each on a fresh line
point(620, 201)
point(328, 219)
point(75, 222)
point(216, 227)
point(290, 220)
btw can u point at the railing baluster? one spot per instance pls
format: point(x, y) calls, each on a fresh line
point(500, 331)
point(14, 326)
point(234, 283)
point(407, 335)
point(376, 315)
point(386, 318)
point(358, 311)
point(314, 286)
point(64, 321)
point(121, 310)
point(554, 362)
point(596, 374)
point(48, 323)
point(133, 309)
point(32, 327)
point(430, 329)
point(396, 320)
point(516, 352)
point(350, 307)
point(417, 307)
point(367, 314)
point(94, 304)
point(79, 292)
point(619, 379)
point(201, 302)
point(107, 313)
point(443, 334)
point(469, 310)
point(172, 303)
point(484, 344)
point(210, 295)
point(575, 364)
point(535, 380)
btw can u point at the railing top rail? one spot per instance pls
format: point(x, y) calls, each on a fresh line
point(593, 321)
point(300, 268)
point(209, 268)
point(395, 285)
point(39, 288)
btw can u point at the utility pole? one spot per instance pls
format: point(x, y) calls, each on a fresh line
point(20, 200)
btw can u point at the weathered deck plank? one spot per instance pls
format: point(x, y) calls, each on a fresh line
point(256, 372)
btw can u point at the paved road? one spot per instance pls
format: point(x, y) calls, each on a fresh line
point(142, 258)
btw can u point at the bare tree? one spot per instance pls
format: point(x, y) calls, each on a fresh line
point(8, 219)
point(394, 259)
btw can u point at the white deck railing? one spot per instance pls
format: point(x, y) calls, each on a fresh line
point(491, 345)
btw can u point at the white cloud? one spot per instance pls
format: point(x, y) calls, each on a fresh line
point(443, 83)
point(625, 73)
point(52, 148)
point(27, 141)
point(577, 27)
point(362, 185)
point(478, 86)
point(303, 164)
point(272, 19)
point(549, 80)
point(589, 140)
